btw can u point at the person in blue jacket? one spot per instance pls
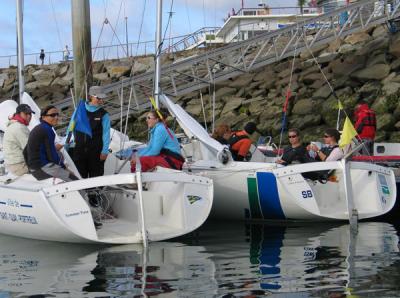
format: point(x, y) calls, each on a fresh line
point(91, 143)
point(41, 153)
point(163, 149)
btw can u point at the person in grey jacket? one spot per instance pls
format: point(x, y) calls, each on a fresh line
point(15, 139)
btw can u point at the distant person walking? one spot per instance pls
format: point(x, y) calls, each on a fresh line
point(66, 53)
point(42, 55)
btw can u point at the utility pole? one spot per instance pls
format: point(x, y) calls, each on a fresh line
point(20, 47)
point(82, 47)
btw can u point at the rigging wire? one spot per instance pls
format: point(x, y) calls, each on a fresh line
point(288, 92)
point(116, 25)
point(141, 27)
point(57, 27)
point(188, 17)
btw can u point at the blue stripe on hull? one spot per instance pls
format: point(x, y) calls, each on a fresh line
point(269, 197)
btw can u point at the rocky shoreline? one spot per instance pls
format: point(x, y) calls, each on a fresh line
point(363, 66)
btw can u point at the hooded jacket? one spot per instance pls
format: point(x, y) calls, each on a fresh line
point(14, 141)
point(365, 122)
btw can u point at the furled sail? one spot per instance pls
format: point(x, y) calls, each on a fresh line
point(194, 130)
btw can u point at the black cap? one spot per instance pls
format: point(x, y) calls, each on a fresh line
point(24, 108)
point(250, 128)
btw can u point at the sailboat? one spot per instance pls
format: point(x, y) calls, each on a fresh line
point(264, 190)
point(135, 207)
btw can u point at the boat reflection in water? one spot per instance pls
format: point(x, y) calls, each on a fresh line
point(232, 259)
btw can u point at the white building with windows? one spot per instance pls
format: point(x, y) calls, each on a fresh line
point(248, 22)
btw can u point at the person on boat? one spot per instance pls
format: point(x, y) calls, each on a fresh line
point(41, 153)
point(365, 125)
point(331, 152)
point(90, 152)
point(163, 149)
point(296, 152)
point(15, 138)
point(240, 142)
point(222, 133)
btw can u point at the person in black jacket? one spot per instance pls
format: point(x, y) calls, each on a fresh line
point(296, 152)
point(41, 154)
point(90, 152)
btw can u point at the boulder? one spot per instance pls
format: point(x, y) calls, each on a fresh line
point(373, 72)
point(44, 75)
point(242, 81)
point(391, 88)
point(224, 92)
point(304, 106)
point(323, 92)
point(3, 78)
point(384, 122)
point(232, 104)
point(305, 121)
point(360, 37)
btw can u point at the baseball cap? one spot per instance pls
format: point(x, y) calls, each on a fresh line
point(97, 91)
point(24, 108)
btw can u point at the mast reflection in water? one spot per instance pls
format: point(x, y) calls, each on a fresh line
point(223, 260)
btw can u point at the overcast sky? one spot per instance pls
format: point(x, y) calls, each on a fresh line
point(47, 23)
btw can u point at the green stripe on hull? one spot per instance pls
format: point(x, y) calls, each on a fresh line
point(254, 202)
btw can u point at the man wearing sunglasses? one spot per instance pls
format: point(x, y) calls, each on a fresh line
point(296, 152)
point(41, 153)
point(15, 138)
point(91, 151)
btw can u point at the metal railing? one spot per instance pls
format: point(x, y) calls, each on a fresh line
point(99, 53)
point(194, 38)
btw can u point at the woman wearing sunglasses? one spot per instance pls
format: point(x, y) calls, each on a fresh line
point(331, 151)
point(41, 153)
point(163, 149)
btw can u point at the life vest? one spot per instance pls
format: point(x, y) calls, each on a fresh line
point(95, 143)
point(365, 123)
point(232, 141)
point(172, 157)
point(328, 150)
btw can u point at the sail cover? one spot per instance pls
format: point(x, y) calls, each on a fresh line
point(193, 129)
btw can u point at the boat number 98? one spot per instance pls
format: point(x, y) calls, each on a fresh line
point(306, 194)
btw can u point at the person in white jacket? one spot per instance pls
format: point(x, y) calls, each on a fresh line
point(15, 139)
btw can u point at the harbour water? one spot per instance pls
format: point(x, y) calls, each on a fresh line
point(218, 260)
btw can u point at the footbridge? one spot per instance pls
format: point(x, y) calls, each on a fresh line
point(234, 59)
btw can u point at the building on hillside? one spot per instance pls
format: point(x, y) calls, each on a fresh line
point(248, 22)
point(330, 5)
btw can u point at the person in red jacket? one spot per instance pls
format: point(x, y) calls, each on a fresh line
point(365, 125)
point(240, 142)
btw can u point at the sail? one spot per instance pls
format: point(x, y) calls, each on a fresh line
point(193, 129)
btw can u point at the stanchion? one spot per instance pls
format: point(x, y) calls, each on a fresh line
point(140, 194)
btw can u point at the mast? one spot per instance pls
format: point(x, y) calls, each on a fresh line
point(20, 47)
point(82, 47)
point(157, 71)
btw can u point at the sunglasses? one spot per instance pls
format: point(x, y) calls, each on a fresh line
point(326, 136)
point(53, 115)
point(149, 117)
point(295, 136)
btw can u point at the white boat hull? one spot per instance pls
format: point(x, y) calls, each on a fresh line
point(174, 204)
point(263, 191)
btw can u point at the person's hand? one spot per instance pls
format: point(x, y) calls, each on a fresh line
point(280, 161)
point(58, 147)
point(314, 147)
point(103, 156)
